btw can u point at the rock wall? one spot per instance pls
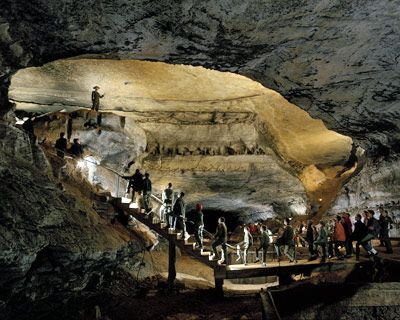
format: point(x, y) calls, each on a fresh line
point(220, 165)
point(53, 244)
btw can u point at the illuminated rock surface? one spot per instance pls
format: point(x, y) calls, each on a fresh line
point(202, 115)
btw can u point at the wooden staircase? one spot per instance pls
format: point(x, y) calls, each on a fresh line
point(153, 223)
point(222, 272)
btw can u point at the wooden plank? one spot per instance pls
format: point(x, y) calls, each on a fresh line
point(269, 311)
point(235, 272)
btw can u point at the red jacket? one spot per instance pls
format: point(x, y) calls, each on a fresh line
point(340, 235)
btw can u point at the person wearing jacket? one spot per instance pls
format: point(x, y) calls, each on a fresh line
point(264, 244)
point(147, 189)
point(363, 236)
point(287, 241)
point(322, 240)
point(198, 225)
point(310, 237)
point(247, 242)
point(166, 208)
point(339, 237)
point(179, 210)
point(220, 239)
point(348, 229)
point(384, 221)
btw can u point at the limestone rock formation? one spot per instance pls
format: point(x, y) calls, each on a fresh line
point(52, 242)
point(168, 110)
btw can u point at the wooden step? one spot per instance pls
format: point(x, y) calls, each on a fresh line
point(163, 225)
point(205, 253)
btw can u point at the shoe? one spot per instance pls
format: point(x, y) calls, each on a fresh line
point(212, 257)
point(264, 264)
point(187, 236)
point(221, 262)
point(245, 264)
point(257, 260)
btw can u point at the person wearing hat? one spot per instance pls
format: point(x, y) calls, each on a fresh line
point(96, 98)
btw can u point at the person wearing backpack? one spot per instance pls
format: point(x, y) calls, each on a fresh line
point(264, 244)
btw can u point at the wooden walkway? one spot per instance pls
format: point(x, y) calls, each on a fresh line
point(234, 271)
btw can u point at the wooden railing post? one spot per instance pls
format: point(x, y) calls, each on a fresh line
point(171, 264)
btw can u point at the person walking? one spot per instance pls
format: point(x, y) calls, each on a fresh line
point(76, 149)
point(198, 226)
point(247, 242)
point(339, 237)
point(61, 145)
point(179, 211)
point(363, 236)
point(147, 189)
point(310, 237)
point(264, 244)
point(322, 240)
point(384, 222)
point(166, 209)
point(220, 239)
point(135, 182)
point(348, 229)
point(286, 240)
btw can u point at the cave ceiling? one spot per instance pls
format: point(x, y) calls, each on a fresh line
point(337, 60)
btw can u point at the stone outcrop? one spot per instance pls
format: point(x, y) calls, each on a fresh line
point(53, 244)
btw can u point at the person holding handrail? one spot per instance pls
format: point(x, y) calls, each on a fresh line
point(166, 208)
point(220, 239)
point(135, 182)
point(198, 225)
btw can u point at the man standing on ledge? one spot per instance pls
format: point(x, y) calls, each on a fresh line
point(96, 96)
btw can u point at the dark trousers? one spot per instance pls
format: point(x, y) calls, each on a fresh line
point(146, 201)
point(330, 249)
point(181, 225)
point(386, 241)
point(219, 242)
point(264, 251)
point(323, 247)
point(349, 247)
point(311, 250)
